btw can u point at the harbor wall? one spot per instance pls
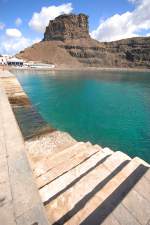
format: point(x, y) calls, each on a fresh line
point(19, 198)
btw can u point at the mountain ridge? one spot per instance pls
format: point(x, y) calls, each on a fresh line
point(67, 43)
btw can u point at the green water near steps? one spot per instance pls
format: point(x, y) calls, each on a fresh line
point(107, 108)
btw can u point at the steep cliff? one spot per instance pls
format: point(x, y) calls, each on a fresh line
point(67, 27)
point(67, 43)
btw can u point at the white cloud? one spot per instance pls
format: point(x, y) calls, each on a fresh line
point(40, 20)
point(12, 45)
point(13, 33)
point(125, 25)
point(134, 1)
point(2, 26)
point(18, 21)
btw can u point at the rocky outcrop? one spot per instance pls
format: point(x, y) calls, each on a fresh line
point(66, 27)
point(67, 43)
point(133, 52)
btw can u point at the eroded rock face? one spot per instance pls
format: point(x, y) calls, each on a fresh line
point(132, 53)
point(66, 27)
point(67, 43)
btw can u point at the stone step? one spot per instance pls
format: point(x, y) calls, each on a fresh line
point(139, 196)
point(141, 161)
point(88, 144)
point(108, 149)
point(49, 144)
point(46, 164)
point(103, 149)
point(147, 175)
point(138, 207)
point(123, 216)
point(63, 166)
point(110, 220)
point(106, 200)
point(143, 182)
point(63, 181)
point(65, 201)
point(66, 166)
point(117, 157)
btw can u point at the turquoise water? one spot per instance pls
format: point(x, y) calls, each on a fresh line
point(107, 108)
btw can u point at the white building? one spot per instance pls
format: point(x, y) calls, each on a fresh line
point(11, 61)
point(3, 60)
point(15, 62)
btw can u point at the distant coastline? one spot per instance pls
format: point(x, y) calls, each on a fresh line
point(82, 69)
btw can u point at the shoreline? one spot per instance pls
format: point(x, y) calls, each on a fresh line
point(103, 69)
point(88, 69)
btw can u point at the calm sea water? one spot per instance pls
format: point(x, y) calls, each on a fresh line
point(107, 108)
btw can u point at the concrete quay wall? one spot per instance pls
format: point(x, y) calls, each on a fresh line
point(20, 203)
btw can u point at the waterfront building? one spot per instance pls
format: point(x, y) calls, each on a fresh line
point(15, 62)
point(3, 60)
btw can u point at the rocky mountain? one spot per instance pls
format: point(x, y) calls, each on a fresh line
point(66, 27)
point(67, 43)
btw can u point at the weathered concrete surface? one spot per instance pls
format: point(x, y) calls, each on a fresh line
point(86, 184)
point(5, 74)
point(25, 112)
point(13, 89)
point(19, 199)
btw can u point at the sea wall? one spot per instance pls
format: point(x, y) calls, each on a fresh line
point(20, 203)
point(41, 138)
point(30, 121)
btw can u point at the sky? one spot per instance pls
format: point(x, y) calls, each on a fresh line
point(23, 23)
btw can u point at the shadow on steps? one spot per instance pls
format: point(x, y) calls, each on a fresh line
point(89, 196)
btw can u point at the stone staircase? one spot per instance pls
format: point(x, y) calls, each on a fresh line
point(89, 185)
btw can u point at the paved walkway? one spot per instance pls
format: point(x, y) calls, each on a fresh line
point(5, 73)
point(20, 203)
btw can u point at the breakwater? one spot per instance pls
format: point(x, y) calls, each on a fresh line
point(20, 203)
point(30, 121)
point(82, 183)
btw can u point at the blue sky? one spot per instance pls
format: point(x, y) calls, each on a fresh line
point(23, 22)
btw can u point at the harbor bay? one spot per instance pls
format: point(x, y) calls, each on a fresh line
point(107, 108)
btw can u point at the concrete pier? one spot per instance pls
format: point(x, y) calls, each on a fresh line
point(20, 203)
point(78, 183)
